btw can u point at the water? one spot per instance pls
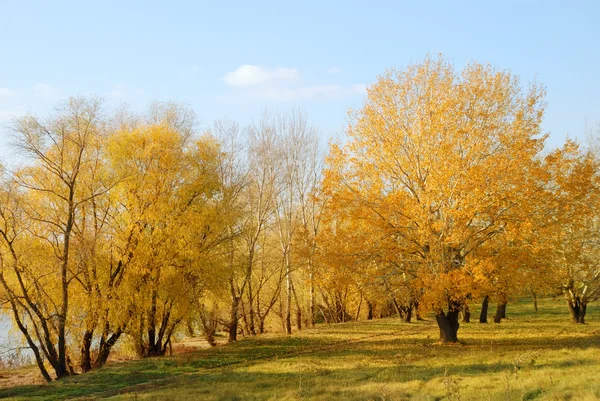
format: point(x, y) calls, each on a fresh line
point(13, 348)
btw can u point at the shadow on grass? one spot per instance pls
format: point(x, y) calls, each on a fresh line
point(224, 367)
point(222, 370)
point(233, 383)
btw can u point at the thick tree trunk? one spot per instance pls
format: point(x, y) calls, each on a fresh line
point(448, 325)
point(484, 310)
point(500, 312)
point(86, 357)
point(466, 314)
point(408, 314)
point(417, 314)
point(106, 346)
point(369, 310)
point(299, 318)
point(577, 308)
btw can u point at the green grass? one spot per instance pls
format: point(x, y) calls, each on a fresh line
point(528, 356)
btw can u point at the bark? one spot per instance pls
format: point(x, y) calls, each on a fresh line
point(298, 309)
point(369, 310)
point(250, 295)
point(86, 358)
point(577, 309)
point(233, 315)
point(408, 314)
point(484, 310)
point(466, 314)
point(32, 345)
point(106, 346)
point(500, 312)
point(357, 316)
point(151, 348)
point(312, 297)
point(448, 325)
point(416, 307)
point(61, 369)
point(535, 303)
point(397, 308)
point(288, 303)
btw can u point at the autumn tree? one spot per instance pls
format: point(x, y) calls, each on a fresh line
point(436, 160)
point(45, 206)
point(570, 244)
point(170, 183)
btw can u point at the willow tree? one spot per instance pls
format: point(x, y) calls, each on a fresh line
point(438, 161)
point(44, 207)
point(168, 211)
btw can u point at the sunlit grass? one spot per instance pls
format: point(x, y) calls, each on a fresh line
point(528, 356)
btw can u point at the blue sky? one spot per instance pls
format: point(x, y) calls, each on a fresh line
point(234, 59)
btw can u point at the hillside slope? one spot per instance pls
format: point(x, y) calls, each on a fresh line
point(528, 356)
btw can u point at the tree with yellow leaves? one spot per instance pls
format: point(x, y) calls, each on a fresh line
point(166, 223)
point(436, 161)
point(46, 252)
point(570, 242)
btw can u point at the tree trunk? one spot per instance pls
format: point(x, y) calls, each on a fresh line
point(466, 314)
point(448, 325)
point(408, 313)
point(86, 344)
point(233, 320)
point(106, 346)
point(484, 310)
point(500, 312)
point(250, 295)
point(298, 309)
point(298, 318)
point(369, 310)
point(312, 299)
point(535, 304)
point(288, 305)
point(577, 310)
point(417, 314)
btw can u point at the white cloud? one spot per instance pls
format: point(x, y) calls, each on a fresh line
point(313, 92)
point(333, 70)
point(250, 75)
point(5, 94)
point(282, 84)
point(44, 91)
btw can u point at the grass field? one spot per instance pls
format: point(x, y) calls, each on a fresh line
point(529, 356)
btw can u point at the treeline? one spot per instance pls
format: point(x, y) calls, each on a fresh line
point(138, 228)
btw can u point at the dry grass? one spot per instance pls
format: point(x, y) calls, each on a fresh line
point(528, 356)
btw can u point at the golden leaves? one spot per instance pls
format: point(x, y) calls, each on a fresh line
point(438, 162)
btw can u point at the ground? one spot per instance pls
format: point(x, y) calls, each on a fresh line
point(528, 356)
